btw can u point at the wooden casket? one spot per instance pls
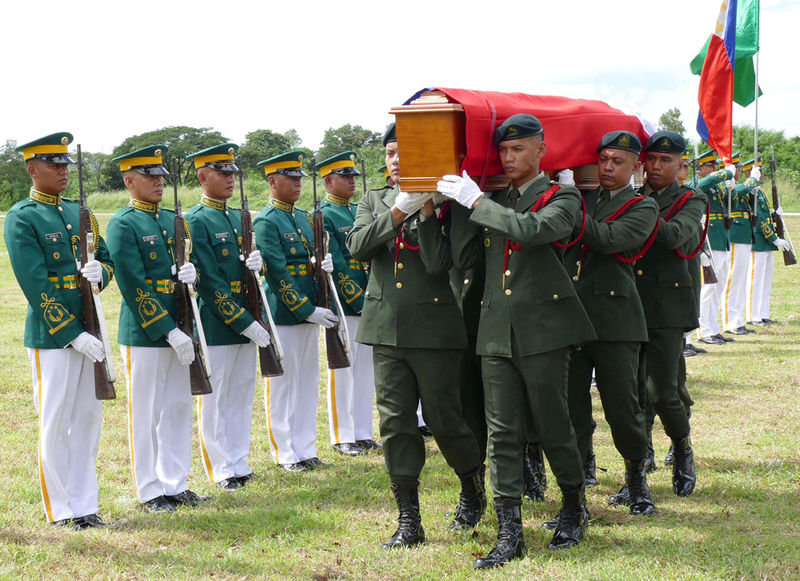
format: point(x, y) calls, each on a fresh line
point(444, 131)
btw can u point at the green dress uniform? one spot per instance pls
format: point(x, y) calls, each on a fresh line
point(412, 320)
point(741, 236)
point(42, 239)
point(607, 289)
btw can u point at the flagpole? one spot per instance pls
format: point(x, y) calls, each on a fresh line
point(755, 136)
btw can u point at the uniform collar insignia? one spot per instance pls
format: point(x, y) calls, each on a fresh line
point(337, 200)
point(48, 199)
point(281, 205)
point(216, 204)
point(144, 206)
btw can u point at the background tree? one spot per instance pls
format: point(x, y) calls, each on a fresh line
point(265, 143)
point(14, 180)
point(670, 120)
point(347, 137)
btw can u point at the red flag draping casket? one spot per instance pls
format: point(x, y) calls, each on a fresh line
point(443, 130)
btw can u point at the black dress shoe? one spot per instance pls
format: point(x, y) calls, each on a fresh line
point(696, 349)
point(294, 467)
point(713, 340)
point(769, 321)
point(314, 462)
point(724, 339)
point(244, 479)
point(63, 523)
point(230, 484)
point(738, 331)
point(689, 352)
point(426, 432)
point(187, 498)
point(88, 521)
point(349, 449)
point(759, 323)
point(158, 504)
point(369, 445)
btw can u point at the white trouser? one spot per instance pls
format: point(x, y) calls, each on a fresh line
point(69, 431)
point(736, 287)
point(225, 415)
point(291, 399)
point(159, 420)
point(759, 285)
point(351, 393)
point(711, 294)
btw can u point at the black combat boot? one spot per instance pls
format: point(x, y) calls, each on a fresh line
point(471, 501)
point(650, 459)
point(510, 542)
point(572, 517)
point(639, 498)
point(670, 457)
point(533, 473)
point(590, 469)
point(683, 474)
point(409, 523)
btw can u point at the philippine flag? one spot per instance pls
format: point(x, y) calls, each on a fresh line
point(715, 97)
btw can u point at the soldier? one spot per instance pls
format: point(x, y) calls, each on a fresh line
point(530, 318)
point(285, 235)
point(351, 390)
point(41, 235)
point(413, 323)
point(690, 350)
point(667, 294)
point(224, 416)
point(155, 352)
point(618, 223)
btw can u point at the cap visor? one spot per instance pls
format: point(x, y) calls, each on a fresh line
point(151, 170)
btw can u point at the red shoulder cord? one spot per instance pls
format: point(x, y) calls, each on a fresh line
point(401, 242)
point(676, 207)
point(541, 203)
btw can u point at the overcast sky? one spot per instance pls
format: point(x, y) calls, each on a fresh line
point(105, 70)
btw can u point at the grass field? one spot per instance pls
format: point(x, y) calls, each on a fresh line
point(742, 522)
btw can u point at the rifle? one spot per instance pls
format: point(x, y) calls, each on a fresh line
point(363, 178)
point(788, 255)
point(94, 319)
point(336, 338)
point(269, 357)
point(188, 311)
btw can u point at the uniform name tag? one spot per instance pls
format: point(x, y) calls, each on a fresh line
point(219, 235)
point(152, 238)
point(53, 236)
point(345, 229)
point(291, 236)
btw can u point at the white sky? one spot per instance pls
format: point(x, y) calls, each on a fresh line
point(105, 70)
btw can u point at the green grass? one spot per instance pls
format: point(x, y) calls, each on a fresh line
point(743, 521)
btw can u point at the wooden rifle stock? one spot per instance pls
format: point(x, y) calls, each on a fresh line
point(788, 256)
point(334, 346)
point(198, 378)
point(103, 379)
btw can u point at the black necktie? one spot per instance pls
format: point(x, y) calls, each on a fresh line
point(513, 196)
point(602, 200)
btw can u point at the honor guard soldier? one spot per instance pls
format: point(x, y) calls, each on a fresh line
point(530, 318)
point(285, 236)
point(667, 294)
point(351, 390)
point(155, 352)
point(41, 235)
point(225, 415)
point(713, 183)
point(618, 227)
point(416, 330)
point(765, 242)
point(741, 236)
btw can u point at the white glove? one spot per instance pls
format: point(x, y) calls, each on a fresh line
point(565, 177)
point(182, 344)
point(90, 346)
point(93, 272)
point(782, 244)
point(254, 262)
point(755, 173)
point(324, 317)
point(731, 183)
point(460, 188)
point(257, 334)
point(704, 259)
point(779, 211)
point(327, 263)
point(187, 273)
point(732, 169)
point(410, 203)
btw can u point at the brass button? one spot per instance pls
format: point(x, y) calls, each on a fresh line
point(164, 232)
point(299, 231)
point(156, 214)
point(575, 278)
point(292, 214)
point(482, 303)
point(224, 252)
point(555, 297)
point(485, 229)
point(435, 299)
point(611, 293)
point(224, 239)
point(508, 291)
point(399, 285)
point(293, 250)
point(510, 251)
point(56, 255)
point(466, 281)
point(235, 231)
point(366, 294)
point(640, 272)
point(402, 246)
point(508, 272)
point(69, 226)
point(60, 209)
point(226, 212)
point(578, 263)
point(400, 265)
point(676, 285)
point(152, 242)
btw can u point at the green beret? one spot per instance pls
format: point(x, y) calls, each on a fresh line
point(147, 160)
point(518, 126)
point(51, 148)
point(219, 157)
point(666, 142)
point(389, 135)
point(289, 164)
point(624, 140)
point(341, 164)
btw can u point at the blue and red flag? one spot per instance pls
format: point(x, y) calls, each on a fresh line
point(715, 97)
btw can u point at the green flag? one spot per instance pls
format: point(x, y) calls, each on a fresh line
point(744, 77)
